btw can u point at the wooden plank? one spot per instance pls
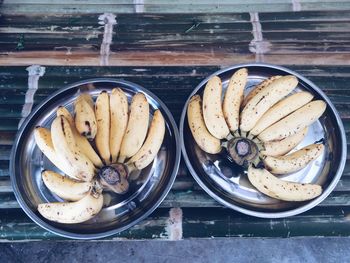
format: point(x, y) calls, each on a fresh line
point(123, 30)
point(304, 16)
point(14, 73)
point(5, 151)
point(179, 45)
point(9, 125)
point(158, 2)
point(166, 58)
point(170, 7)
point(197, 223)
point(67, 22)
point(145, 2)
point(7, 138)
point(308, 36)
point(313, 222)
point(4, 169)
point(303, 26)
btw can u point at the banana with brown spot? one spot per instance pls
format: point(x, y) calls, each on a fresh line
point(73, 212)
point(81, 141)
point(67, 150)
point(85, 120)
point(118, 105)
point(43, 140)
point(294, 122)
point(137, 127)
point(64, 187)
point(212, 109)
point(265, 99)
point(295, 161)
point(154, 140)
point(233, 98)
point(257, 89)
point(281, 110)
point(278, 148)
point(202, 136)
point(274, 187)
point(102, 113)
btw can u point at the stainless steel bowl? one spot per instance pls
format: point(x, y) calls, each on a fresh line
point(122, 211)
point(228, 183)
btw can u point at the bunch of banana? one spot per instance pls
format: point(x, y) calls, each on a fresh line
point(259, 130)
point(96, 150)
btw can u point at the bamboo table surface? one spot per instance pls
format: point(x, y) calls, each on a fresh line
point(169, 48)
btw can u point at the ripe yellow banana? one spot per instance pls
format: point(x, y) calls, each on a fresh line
point(202, 136)
point(81, 141)
point(118, 105)
point(67, 150)
point(212, 109)
point(281, 110)
point(294, 122)
point(103, 125)
point(265, 99)
point(257, 89)
point(233, 98)
point(44, 141)
point(88, 99)
point(279, 148)
point(274, 187)
point(73, 212)
point(64, 187)
point(136, 130)
point(153, 142)
point(85, 120)
point(295, 161)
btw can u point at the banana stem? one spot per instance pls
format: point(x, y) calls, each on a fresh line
point(114, 178)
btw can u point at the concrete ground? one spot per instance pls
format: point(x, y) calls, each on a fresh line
point(203, 250)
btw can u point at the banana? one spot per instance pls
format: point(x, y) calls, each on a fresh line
point(85, 120)
point(265, 99)
point(64, 187)
point(274, 187)
point(281, 109)
point(202, 136)
point(73, 212)
point(88, 99)
point(257, 89)
point(81, 141)
point(103, 126)
point(153, 142)
point(212, 110)
point(294, 122)
point(279, 148)
point(136, 130)
point(67, 150)
point(43, 139)
point(295, 161)
point(233, 98)
point(118, 106)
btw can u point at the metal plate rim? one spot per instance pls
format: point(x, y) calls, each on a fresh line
point(72, 235)
point(283, 214)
